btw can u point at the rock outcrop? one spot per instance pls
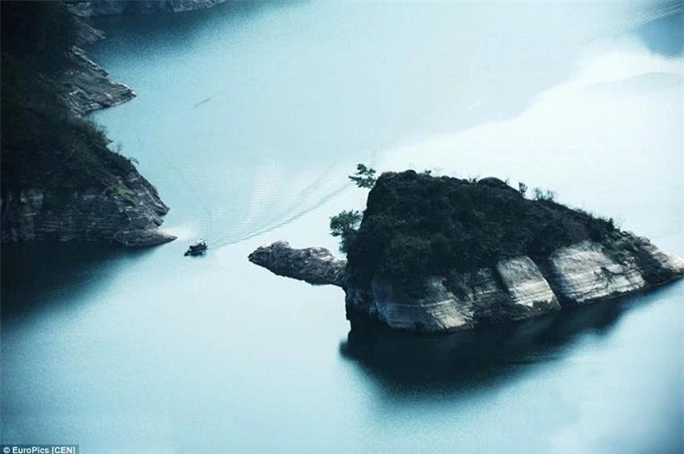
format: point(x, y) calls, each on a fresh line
point(440, 254)
point(316, 266)
point(115, 7)
point(584, 272)
point(128, 213)
point(85, 86)
point(516, 289)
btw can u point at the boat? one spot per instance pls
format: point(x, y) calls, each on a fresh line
point(197, 249)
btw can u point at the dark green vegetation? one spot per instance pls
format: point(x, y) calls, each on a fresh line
point(345, 225)
point(416, 225)
point(364, 176)
point(43, 143)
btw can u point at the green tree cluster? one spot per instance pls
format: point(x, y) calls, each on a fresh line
point(364, 177)
point(344, 225)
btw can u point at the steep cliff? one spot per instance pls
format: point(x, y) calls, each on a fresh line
point(128, 213)
point(60, 181)
point(442, 254)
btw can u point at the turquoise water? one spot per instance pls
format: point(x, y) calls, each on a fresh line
point(248, 118)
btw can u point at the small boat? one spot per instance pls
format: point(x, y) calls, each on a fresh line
point(197, 249)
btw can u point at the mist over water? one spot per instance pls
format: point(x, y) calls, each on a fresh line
point(248, 119)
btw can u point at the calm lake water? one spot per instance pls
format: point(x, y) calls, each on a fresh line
point(248, 118)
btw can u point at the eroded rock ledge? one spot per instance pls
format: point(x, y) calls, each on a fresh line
point(128, 214)
point(85, 86)
point(316, 266)
point(514, 289)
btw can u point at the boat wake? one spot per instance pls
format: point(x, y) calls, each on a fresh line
point(259, 197)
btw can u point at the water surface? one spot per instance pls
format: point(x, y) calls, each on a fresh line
point(248, 118)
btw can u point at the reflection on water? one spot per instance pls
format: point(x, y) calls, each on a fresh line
point(408, 365)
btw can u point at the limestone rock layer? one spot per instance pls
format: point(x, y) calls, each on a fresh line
point(127, 214)
point(513, 289)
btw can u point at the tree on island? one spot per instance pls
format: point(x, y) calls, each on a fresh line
point(346, 223)
point(364, 176)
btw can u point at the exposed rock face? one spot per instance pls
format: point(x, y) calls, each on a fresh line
point(584, 272)
point(114, 7)
point(435, 310)
point(525, 283)
point(128, 214)
point(514, 289)
point(316, 266)
point(85, 86)
point(86, 34)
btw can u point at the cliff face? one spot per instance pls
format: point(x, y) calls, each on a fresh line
point(85, 86)
point(516, 289)
point(113, 7)
point(129, 214)
point(59, 179)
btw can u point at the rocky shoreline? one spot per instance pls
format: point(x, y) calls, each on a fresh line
point(129, 214)
point(86, 86)
point(514, 289)
point(317, 266)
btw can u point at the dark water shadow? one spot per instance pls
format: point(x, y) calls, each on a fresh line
point(37, 276)
point(409, 366)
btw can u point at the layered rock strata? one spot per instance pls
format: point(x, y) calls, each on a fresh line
point(128, 213)
point(517, 288)
point(513, 289)
point(85, 86)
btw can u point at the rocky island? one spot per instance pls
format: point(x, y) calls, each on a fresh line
point(437, 254)
point(60, 180)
